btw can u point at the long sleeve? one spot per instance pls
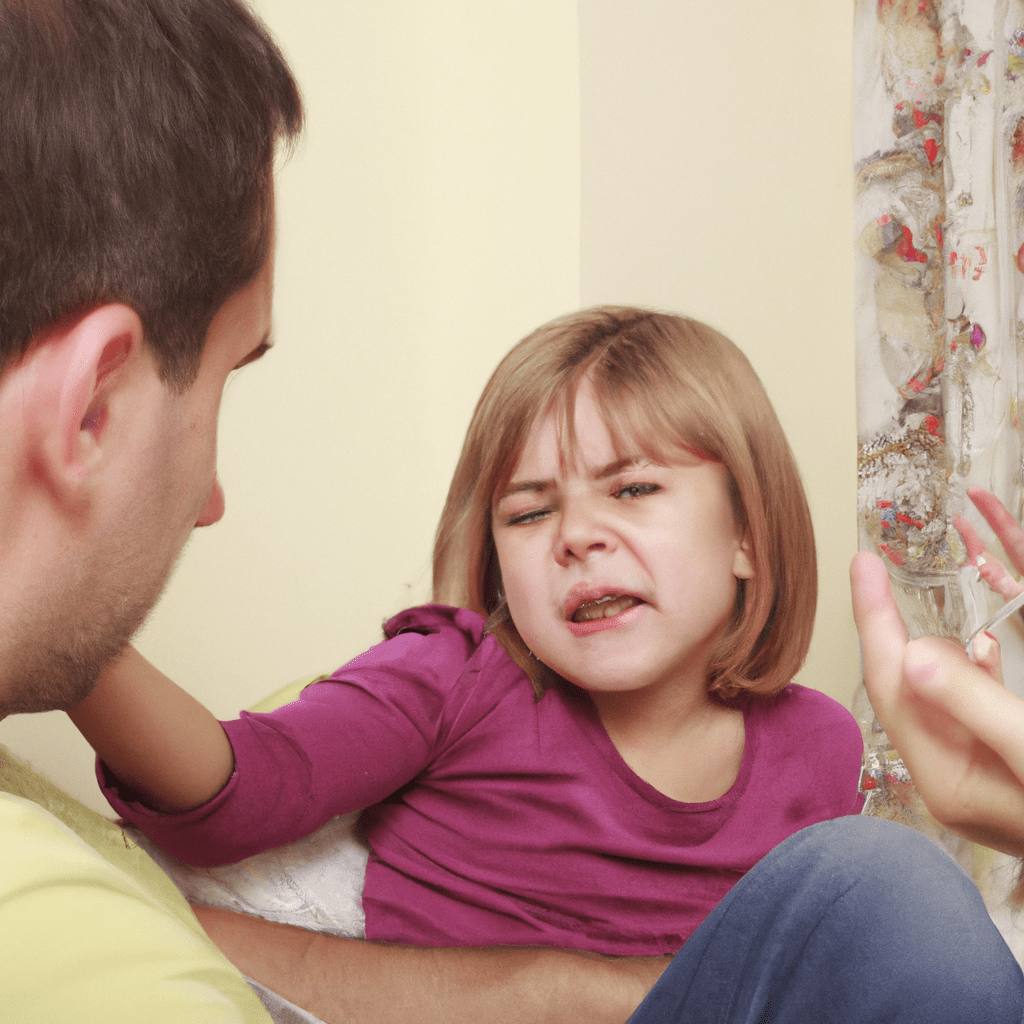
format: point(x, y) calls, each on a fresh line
point(347, 743)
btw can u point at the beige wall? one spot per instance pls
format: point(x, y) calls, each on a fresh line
point(431, 217)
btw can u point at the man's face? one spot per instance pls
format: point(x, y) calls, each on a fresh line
point(177, 487)
point(165, 486)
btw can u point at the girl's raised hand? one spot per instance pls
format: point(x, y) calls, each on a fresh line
point(960, 733)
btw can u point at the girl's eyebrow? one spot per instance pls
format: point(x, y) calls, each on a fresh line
point(632, 462)
point(539, 486)
point(524, 486)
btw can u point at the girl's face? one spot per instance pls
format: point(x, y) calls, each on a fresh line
point(619, 573)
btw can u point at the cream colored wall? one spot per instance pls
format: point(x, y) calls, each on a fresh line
point(428, 221)
point(717, 181)
point(432, 217)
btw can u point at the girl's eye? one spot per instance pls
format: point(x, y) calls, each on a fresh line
point(635, 490)
point(533, 516)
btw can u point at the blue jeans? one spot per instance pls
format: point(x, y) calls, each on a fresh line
point(853, 921)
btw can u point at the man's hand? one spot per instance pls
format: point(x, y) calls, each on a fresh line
point(960, 733)
point(344, 981)
point(1010, 535)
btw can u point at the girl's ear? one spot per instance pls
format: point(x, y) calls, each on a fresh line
point(70, 378)
point(743, 559)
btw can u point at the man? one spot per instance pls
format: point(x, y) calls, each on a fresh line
point(136, 235)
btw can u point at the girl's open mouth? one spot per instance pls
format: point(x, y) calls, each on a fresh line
point(604, 607)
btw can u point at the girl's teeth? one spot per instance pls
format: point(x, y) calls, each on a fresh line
point(603, 607)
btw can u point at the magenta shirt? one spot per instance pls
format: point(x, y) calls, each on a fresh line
point(494, 818)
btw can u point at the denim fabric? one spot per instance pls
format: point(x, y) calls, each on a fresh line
point(852, 921)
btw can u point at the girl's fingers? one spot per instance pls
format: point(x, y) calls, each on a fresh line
point(988, 655)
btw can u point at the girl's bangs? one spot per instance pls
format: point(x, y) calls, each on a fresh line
point(662, 427)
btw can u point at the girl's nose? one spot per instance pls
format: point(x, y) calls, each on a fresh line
point(580, 533)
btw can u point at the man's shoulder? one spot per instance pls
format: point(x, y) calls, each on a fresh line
point(43, 801)
point(84, 939)
point(39, 852)
point(36, 845)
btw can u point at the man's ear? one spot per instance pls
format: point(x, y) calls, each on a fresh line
point(71, 376)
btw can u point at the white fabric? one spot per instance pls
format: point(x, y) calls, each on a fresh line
point(314, 883)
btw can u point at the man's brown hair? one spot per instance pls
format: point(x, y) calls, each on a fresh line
point(137, 142)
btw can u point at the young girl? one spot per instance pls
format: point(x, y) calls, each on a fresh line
point(595, 736)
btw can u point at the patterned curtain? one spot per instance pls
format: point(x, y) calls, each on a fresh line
point(939, 206)
point(939, 150)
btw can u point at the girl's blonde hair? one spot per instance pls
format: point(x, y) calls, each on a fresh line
point(663, 383)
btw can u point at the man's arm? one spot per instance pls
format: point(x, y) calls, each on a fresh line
point(344, 981)
point(958, 730)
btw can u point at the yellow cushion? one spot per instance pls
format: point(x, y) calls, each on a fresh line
point(286, 694)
